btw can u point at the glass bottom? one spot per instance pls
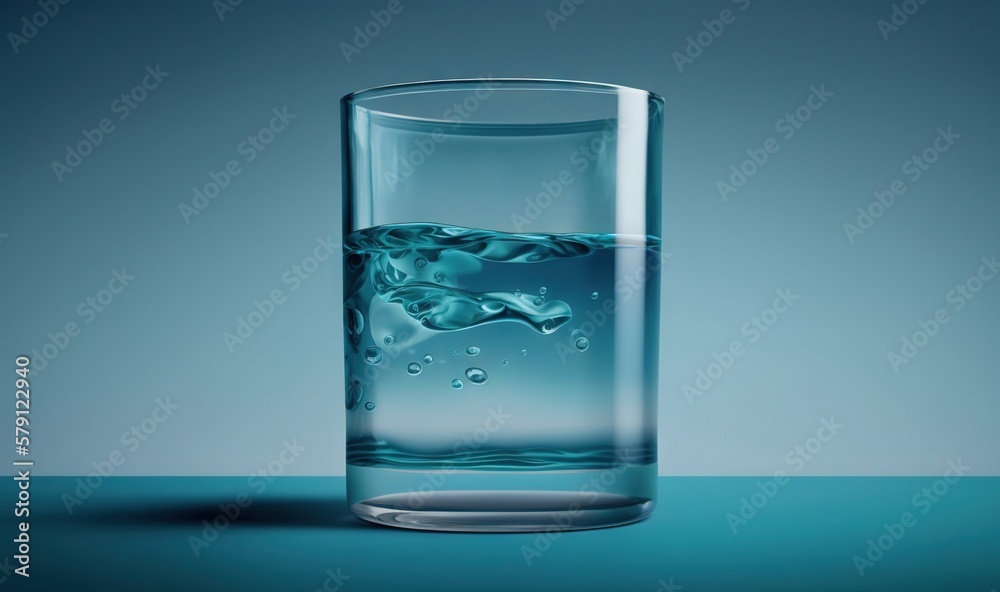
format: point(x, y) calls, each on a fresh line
point(502, 501)
point(505, 511)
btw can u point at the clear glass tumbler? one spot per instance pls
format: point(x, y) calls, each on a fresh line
point(501, 297)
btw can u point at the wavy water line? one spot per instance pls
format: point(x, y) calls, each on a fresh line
point(440, 306)
point(370, 453)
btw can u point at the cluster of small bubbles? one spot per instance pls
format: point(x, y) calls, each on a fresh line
point(476, 375)
point(593, 296)
point(389, 340)
point(456, 384)
point(420, 263)
point(472, 350)
point(353, 395)
point(414, 368)
point(370, 405)
point(440, 277)
point(539, 300)
point(524, 352)
point(517, 292)
point(542, 290)
point(505, 362)
point(428, 359)
point(373, 355)
point(580, 341)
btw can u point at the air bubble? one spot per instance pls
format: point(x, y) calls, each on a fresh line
point(579, 339)
point(454, 352)
point(539, 300)
point(505, 363)
point(389, 340)
point(414, 307)
point(456, 384)
point(476, 375)
point(353, 395)
point(548, 326)
point(593, 296)
point(373, 355)
point(439, 277)
point(472, 350)
point(414, 368)
point(420, 263)
point(370, 405)
point(542, 290)
point(355, 321)
point(428, 359)
point(493, 307)
point(517, 292)
point(524, 352)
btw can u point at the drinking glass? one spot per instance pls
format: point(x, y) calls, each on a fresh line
point(502, 262)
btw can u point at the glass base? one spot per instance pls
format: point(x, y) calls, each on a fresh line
point(505, 511)
point(502, 501)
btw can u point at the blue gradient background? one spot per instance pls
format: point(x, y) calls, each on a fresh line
point(825, 357)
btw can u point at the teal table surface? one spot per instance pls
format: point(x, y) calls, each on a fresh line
point(295, 533)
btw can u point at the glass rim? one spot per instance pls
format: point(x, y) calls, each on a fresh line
point(541, 84)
